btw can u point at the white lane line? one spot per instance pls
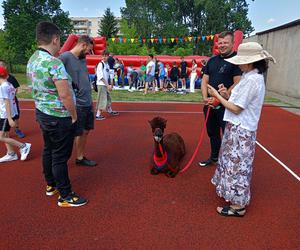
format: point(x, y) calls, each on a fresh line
point(279, 161)
point(184, 112)
point(147, 111)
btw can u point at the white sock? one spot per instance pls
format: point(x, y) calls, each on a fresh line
point(98, 113)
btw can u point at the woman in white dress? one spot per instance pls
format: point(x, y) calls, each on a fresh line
point(232, 177)
point(193, 76)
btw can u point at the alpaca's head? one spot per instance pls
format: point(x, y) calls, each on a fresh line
point(158, 125)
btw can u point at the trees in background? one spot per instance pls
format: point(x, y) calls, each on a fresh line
point(109, 24)
point(169, 18)
point(140, 19)
point(21, 18)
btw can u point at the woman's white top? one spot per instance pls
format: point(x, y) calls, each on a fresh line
point(194, 68)
point(248, 94)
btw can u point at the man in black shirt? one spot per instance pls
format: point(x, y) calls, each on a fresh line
point(224, 76)
point(11, 79)
point(111, 63)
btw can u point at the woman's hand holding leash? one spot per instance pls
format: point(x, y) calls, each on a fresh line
point(223, 91)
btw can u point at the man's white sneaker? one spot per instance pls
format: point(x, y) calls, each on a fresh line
point(25, 151)
point(9, 157)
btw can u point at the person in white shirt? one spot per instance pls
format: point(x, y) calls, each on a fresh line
point(150, 73)
point(193, 76)
point(8, 112)
point(103, 98)
point(232, 177)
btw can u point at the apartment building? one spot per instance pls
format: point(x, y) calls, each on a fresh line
point(86, 25)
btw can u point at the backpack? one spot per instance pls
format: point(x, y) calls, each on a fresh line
point(94, 81)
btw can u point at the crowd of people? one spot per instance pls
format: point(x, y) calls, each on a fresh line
point(64, 109)
point(155, 75)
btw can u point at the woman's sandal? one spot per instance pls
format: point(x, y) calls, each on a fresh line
point(229, 211)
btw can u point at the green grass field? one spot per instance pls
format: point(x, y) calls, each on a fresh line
point(125, 96)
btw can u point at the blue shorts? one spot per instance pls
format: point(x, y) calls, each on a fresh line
point(149, 78)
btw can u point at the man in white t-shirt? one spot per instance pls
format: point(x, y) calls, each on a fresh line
point(150, 73)
point(8, 111)
point(103, 98)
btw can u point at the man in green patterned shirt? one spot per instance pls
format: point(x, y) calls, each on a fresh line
point(55, 112)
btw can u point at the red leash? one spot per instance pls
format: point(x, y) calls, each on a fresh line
point(199, 143)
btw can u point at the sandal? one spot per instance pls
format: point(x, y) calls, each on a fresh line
point(229, 211)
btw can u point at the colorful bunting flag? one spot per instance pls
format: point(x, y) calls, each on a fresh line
point(161, 40)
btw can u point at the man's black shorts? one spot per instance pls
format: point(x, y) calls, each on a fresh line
point(183, 75)
point(85, 119)
point(17, 117)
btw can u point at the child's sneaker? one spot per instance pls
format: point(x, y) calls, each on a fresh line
point(72, 200)
point(25, 151)
point(9, 157)
point(51, 190)
point(19, 133)
point(100, 117)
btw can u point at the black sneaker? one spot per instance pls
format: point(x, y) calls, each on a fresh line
point(113, 113)
point(50, 190)
point(85, 162)
point(72, 200)
point(99, 117)
point(207, 162)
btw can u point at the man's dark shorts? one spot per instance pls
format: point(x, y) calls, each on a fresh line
point(183, 75)
point(17, 117)
point(85, 119)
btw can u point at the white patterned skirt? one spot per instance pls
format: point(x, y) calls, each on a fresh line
point(232, 177)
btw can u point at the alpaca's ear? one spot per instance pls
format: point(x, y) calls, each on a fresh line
point(165, 122)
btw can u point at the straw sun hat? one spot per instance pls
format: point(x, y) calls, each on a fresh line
point(249, 53)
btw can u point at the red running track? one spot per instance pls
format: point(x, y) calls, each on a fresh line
point(131, 209)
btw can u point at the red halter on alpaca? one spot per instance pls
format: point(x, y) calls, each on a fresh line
point(160, 161)
point(169, 149)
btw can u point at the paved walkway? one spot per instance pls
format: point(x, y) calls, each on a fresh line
point(286, 101)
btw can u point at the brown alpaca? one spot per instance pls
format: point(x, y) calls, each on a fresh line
point(169, 149)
